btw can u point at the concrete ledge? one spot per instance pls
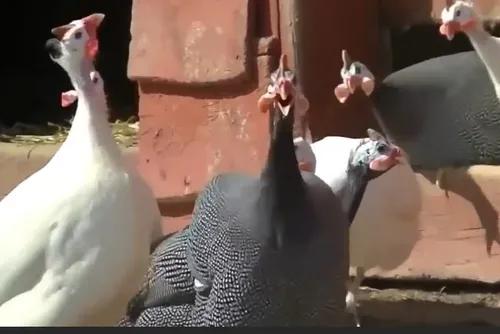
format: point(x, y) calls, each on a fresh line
point(396, 307)
point(453, 232)
point(17, 162)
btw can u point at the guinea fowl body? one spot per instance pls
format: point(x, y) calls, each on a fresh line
point(250, 273)
point(63, 256)
point(75, 235)
point(255, 243)
point(448, 100)
point(350, 168)
point(272, 244)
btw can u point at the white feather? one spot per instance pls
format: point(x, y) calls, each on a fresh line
point(75, 236)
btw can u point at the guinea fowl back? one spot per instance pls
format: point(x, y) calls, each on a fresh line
point(413, 104)
point(449, 100)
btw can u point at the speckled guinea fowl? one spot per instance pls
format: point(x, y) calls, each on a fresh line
point(168, 281)
point(265, 250)
point(442, 112)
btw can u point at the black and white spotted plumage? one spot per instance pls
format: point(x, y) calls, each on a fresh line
point(168, 281)
point(269, 250)
point(263, 250)
point(443, 112)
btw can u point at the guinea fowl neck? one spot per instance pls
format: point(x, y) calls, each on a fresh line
point(488, 49)
point(90, 128)
point(282, 173)
point(357, 181)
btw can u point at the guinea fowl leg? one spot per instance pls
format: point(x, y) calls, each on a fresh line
point(441, 180)
point(352, 291)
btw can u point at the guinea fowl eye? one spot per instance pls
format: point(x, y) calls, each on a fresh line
point(458, 12)
point(381, 148)
point(95, 80)
point(78, 35)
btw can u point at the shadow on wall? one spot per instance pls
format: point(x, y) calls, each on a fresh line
point(31, 83)
point(461, 182)
point(422, 42)
point(324, 28)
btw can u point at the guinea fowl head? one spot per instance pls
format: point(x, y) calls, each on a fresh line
point(74, 49)
point(76, 46)
point(355, 75)
point(283, 99)
point(457, 16)
point(280, 95)
point(376, 155)
point(281, 173)
point(373, 157)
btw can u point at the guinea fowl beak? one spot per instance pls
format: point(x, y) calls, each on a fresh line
point(285, 87)
point(353, 82)
point(386, 162)
point(285, 96)
point(449, 29)
point(366, 84)
point(282, 95)
point(397, 155)
point(281, 91)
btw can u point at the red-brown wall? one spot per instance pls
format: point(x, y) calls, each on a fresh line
point(201, 65)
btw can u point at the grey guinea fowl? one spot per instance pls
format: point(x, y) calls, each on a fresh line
point(367, 159)
point(442, 112)
point(168, 281)
point(265, 251)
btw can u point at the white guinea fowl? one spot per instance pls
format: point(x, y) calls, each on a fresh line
point(460, 16)
point(75, 236)
point(380, 196)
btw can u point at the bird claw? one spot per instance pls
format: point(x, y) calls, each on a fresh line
point(441, 181)
point(352, 307)
point(351, 300)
